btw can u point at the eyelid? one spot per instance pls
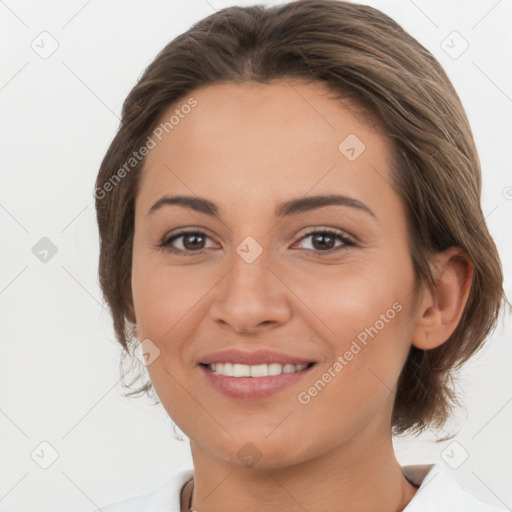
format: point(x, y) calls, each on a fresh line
point(337, 231)
point(181, 232)
point(347, 240)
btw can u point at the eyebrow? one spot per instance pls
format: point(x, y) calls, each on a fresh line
point(288, 208)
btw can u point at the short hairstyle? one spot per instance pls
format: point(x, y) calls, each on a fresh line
point(362, 55)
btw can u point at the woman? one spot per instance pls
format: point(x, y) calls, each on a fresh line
point(291, 229)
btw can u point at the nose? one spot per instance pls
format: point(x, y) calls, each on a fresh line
point(252, 295)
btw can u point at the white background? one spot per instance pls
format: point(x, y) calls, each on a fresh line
point(59, 375)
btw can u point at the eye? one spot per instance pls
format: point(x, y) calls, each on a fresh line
point(322, 240)
point(191, 240)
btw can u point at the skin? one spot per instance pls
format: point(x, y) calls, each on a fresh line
point(247, 148)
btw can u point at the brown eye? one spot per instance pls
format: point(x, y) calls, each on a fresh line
point(324, 240)
point(192, 242)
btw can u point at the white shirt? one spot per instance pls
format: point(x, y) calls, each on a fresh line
point(438, 492)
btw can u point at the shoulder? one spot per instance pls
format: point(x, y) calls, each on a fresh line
point(440, 492)
point(165, 498)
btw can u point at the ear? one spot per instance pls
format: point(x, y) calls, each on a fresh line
point(439, 314)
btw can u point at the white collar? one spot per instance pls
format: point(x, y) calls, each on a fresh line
point(438, 492)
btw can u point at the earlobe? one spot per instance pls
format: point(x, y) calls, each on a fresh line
point(439, 314)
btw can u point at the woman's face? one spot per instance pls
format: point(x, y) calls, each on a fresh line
point(256, 277)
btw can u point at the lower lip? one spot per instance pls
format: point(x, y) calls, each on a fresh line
point(253, 388)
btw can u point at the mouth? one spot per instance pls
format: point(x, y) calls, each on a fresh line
point(255, 371)
point(254, 382)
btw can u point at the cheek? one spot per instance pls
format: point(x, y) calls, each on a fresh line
point(368, 345)
point(365, 315)
point(163, 296)
point(354, 299)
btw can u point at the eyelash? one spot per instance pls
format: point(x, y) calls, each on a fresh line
point(165, 243)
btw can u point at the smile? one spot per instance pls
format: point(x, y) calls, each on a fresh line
point(254, 382)
point(259, 370)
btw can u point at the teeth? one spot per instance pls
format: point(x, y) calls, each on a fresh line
point(259, 370)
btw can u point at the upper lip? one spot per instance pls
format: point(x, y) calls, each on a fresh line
point(252, 358)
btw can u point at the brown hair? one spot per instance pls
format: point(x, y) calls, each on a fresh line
point(362, 54)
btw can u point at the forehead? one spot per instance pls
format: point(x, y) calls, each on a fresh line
point(283, 136)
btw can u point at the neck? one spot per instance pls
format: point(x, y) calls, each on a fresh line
point(357, 475)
